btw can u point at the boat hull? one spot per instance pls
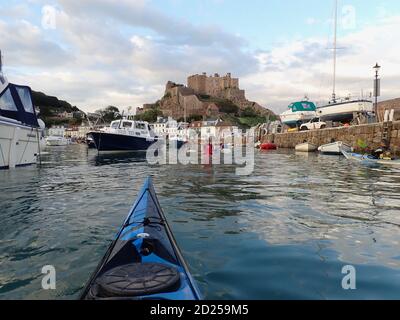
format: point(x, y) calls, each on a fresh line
point(335, 148)
point(144, 243)
point(368, 160)
point(104, 141)
point(343, 112)
point(306, 147)
point(18, 144)
point(268, 146)
point(295, 119)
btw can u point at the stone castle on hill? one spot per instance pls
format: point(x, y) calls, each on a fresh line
point(203, 96)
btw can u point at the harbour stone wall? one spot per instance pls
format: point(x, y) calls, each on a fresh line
point(371, 134)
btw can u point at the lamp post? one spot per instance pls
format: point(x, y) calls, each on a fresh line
point(377, 89)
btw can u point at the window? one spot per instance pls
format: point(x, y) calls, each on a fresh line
point(7, 101)
point(140, 126)
point(114, 125)
point(26, 100)
point(126, 124)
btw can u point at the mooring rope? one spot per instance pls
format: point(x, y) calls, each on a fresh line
point(26, 146)
point(2, 155)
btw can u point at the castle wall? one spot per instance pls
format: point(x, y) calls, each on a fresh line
point(213, 85)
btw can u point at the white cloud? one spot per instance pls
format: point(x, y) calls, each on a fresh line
point(294, 69)
point(123, 54)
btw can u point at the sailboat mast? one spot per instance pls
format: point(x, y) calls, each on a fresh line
point(335, 51)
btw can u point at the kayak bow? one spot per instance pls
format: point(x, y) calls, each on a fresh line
point(144, 261)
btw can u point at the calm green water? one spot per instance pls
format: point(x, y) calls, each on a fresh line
point(284, 232)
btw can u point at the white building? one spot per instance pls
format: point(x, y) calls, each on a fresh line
point(57, 131)
point(214, 129)
point(166, 127)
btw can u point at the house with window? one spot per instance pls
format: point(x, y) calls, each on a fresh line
point(213, 128)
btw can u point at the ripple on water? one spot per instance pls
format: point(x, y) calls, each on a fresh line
point(284, 232)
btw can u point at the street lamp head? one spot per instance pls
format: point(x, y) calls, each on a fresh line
point(377, 66)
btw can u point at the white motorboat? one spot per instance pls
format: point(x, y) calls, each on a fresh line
point(19, 127)
point(298, 113)
point(306, 147)
point(344, 110)
point(335, 148)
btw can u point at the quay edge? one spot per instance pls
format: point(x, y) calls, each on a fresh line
point(371, 134)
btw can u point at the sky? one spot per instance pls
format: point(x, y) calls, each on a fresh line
point(95, 53)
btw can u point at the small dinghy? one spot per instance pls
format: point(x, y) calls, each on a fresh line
point(306, 147)
point(335, 148)
point(144, 261)
point(368, 159)
point(268, 146)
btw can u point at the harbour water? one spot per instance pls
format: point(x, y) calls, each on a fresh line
point(284, 232)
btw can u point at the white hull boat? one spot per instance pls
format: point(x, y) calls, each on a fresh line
point(18, 144)
point(298, 113)
point(19, 126)
point(335, 148)
point(306, 147)
point(344, 111)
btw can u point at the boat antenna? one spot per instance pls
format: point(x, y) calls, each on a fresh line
point(122, 117)
point(2, 78)
point(335, 51)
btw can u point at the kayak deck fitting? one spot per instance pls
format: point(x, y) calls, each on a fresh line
point(144, 261)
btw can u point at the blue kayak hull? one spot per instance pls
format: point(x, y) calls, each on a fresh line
point(144, 242)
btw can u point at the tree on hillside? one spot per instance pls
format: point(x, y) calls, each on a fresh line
point(109, 113)
point(192, 118)
point(249, 112)
point(149, 115)
point(227, 106)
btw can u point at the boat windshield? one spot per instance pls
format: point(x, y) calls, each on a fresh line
point(115, 124)
point(302, 106)
point(16, 103)
point(140, 126)
point(127, 124)
point(7, 102)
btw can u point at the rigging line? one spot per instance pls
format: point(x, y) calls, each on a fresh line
point(26, 146)
point(38, 143)
point(335, 51)
point(2, 155)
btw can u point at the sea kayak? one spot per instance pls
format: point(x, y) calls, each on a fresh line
point(144, 261)
point(368, 159)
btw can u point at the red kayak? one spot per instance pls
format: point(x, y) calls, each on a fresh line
point(268, 146)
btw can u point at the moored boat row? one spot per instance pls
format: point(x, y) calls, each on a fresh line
point(334, 148)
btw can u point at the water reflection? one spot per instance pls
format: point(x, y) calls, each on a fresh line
point(283, 233)
point(110, 158)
